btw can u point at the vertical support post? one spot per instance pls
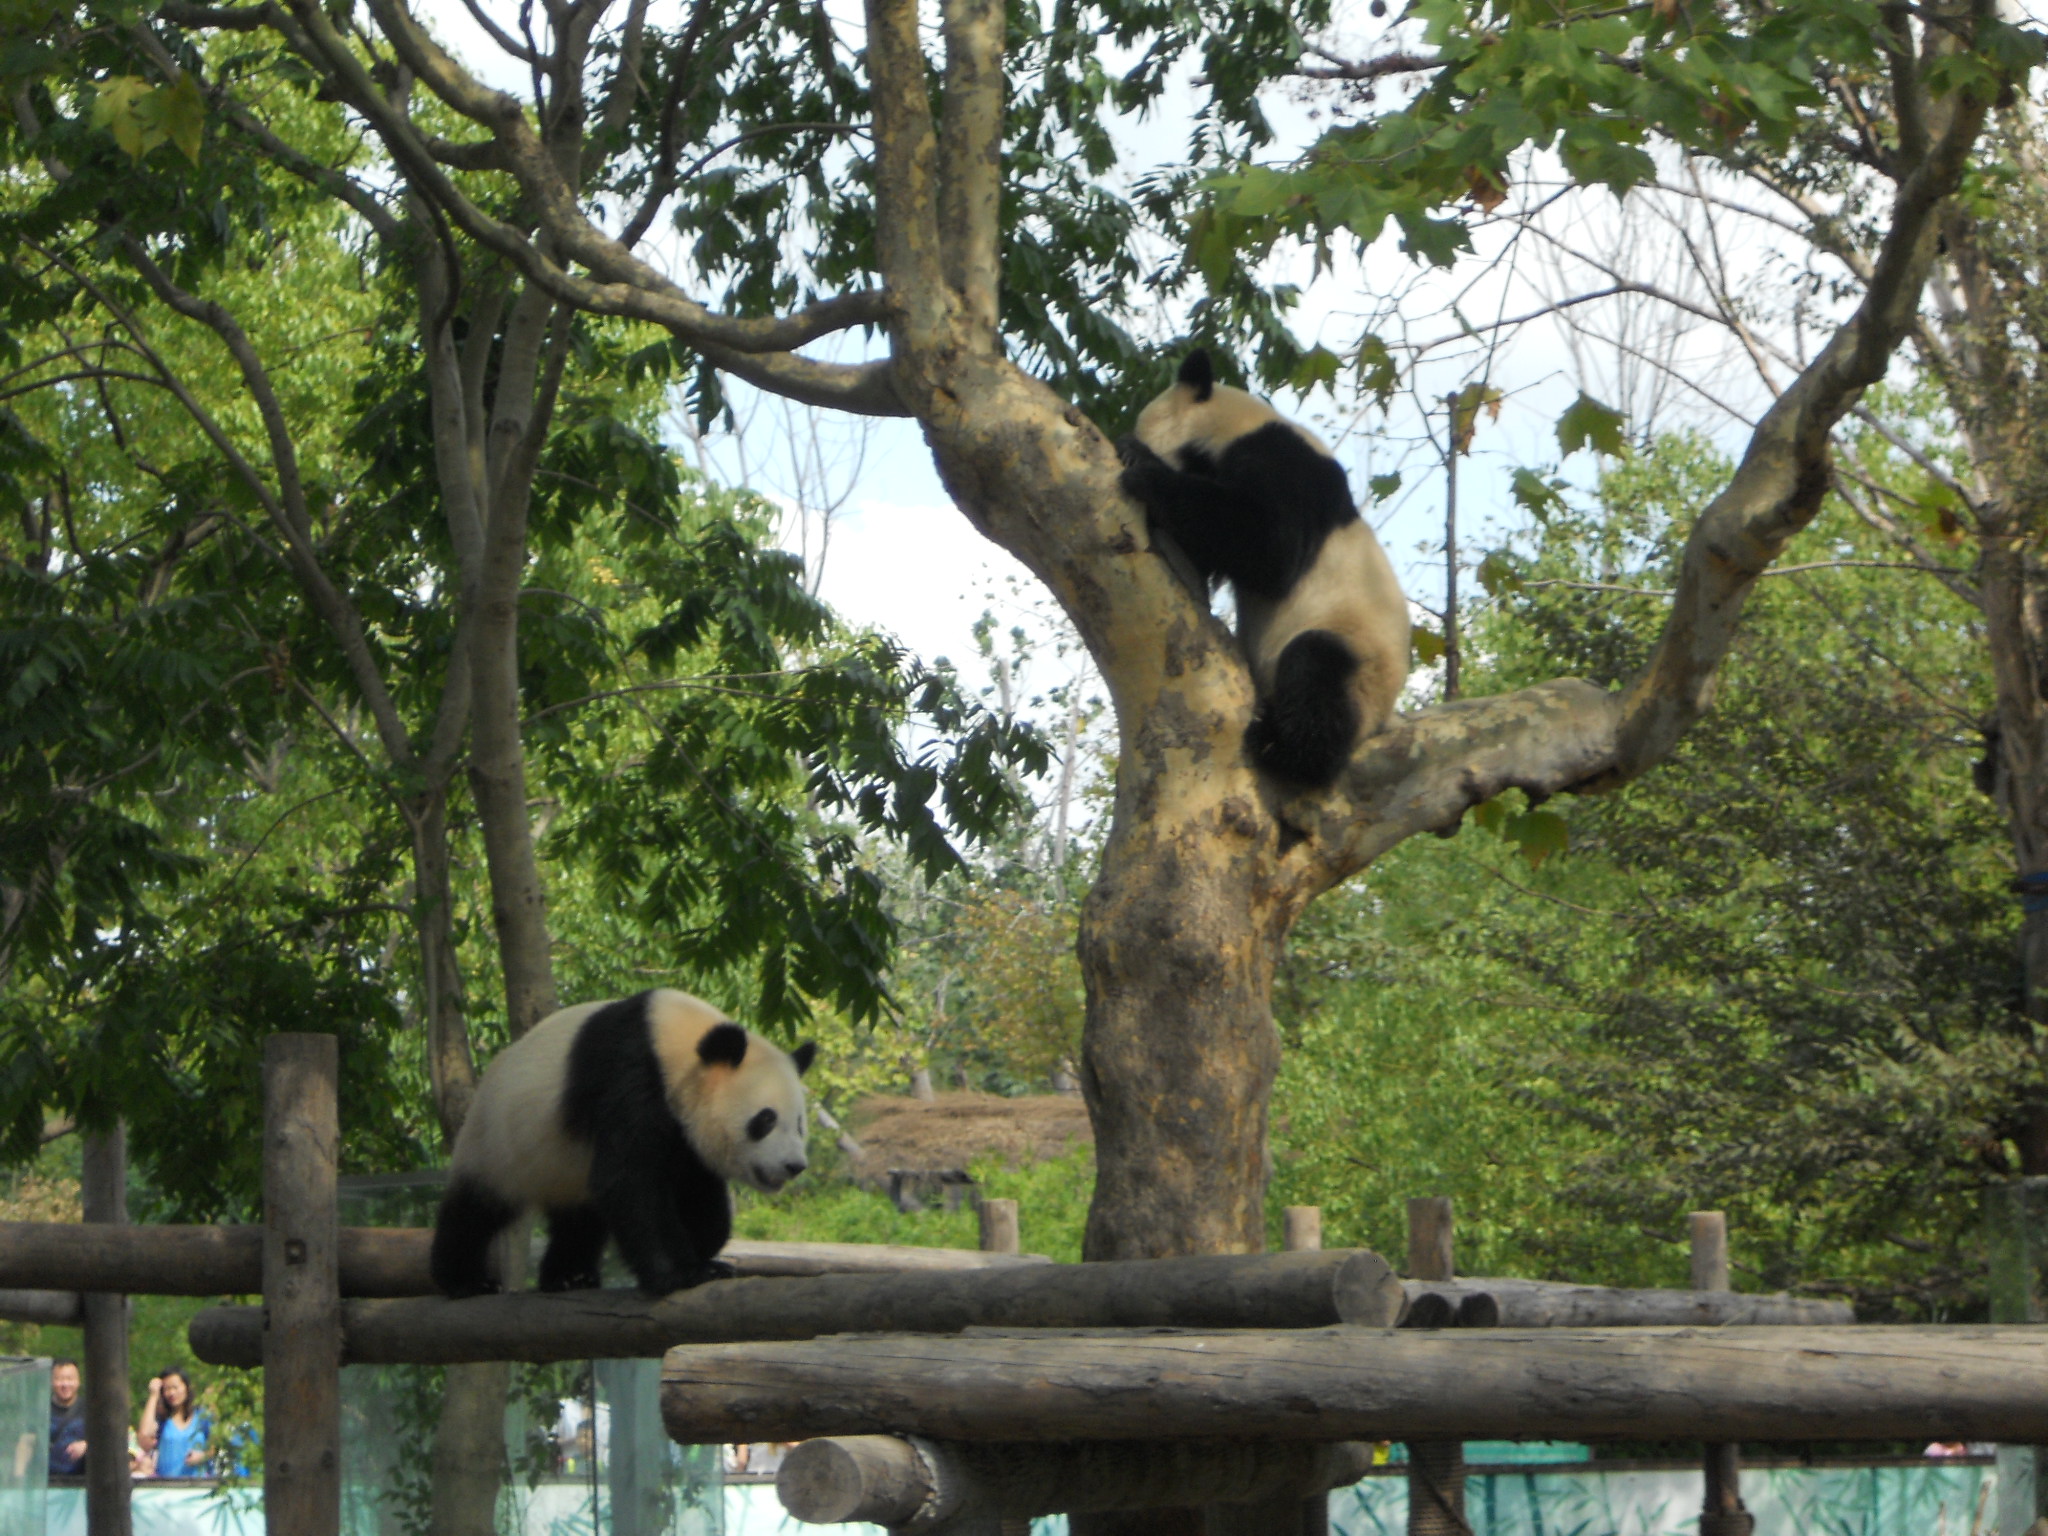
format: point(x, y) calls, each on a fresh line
point(1436, 1468)
point(999, 1229)
point(1301, 1228)
point(1301, 1231)
point(1722, 1513)
point(999, 1234)
point(104, 1197)
point(301, 1287)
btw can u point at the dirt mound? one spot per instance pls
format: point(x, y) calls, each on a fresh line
point(955, 1129)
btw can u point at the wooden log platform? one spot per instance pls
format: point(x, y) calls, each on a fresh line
point(1473, 1302)
point(919, 1485)
point(375, 1261)
point(62, 1309)
point(1264, 1290)
point(1957, 1382)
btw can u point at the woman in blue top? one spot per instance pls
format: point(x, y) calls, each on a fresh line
point(174, 1427)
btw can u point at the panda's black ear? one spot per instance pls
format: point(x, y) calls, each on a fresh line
point(1198, 373)
point(723, 1045)
point(803, 1056)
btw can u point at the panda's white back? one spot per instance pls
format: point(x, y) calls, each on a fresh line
point(1352, 592)
point(513, 1140)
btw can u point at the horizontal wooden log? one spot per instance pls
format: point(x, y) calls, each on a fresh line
point(1960, 1382)
point(62, 1309)
point(1502, 1303)
point(916, 1485)
point(375, 1261)
point(1266, 1290)
point(762, 1258)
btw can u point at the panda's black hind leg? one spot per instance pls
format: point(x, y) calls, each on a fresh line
point(1304, 729)
point(470, 1219)
point(573, 1261)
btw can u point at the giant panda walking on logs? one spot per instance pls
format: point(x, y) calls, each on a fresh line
point(625, 1120)
point(1255, 499)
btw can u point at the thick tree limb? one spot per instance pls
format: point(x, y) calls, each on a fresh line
point(970, 157)
point(1422, 773)
point(907, 190)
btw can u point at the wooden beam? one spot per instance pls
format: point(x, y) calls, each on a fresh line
point(375, 1261)
point(916, 1485)
point(103, 1192)
point(1956, 1382)
point(60, 1309)
point(301, 1287)
point(1484, 1303)
point(1265, 1290)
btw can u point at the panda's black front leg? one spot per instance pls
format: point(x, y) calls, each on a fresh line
point(575, 1250)
point(1204, 516)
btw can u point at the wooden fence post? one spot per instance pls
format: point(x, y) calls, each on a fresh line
point(1436, 1468)
point(1301, 1230)
point(999, 1229)
point(104, 1197)
point(301, 1287)
point(1722, 1513)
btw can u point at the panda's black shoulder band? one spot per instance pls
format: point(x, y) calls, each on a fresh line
point(1198, 373)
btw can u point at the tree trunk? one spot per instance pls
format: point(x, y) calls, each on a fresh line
point(1178, 944)
point(2016, 627)
point(450, 1066)
point(533, 354)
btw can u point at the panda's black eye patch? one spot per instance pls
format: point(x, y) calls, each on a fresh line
point(762, 1123)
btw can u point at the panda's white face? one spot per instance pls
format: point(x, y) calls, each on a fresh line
point(740, 1098)
point(769, 1105)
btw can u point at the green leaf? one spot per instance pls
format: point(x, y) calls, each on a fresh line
point(182, 112)
point(1377, 374)
point(1383, 486)
point(1489, 815)
point(121, 106)
point(1536, 495)
point(1318, 365)
point(1587, 423)
point(1538, 835)
point(1497, 574)
point(1466, 405)
point(1429, 645)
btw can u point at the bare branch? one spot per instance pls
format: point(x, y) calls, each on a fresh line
point(1340, 68)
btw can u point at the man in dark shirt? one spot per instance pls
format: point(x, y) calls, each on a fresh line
point(67, 1421)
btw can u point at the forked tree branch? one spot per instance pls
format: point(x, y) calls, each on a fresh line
point(760, 350)
point(1568, 735)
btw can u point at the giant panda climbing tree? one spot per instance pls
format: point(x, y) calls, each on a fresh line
point(1206, 868)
